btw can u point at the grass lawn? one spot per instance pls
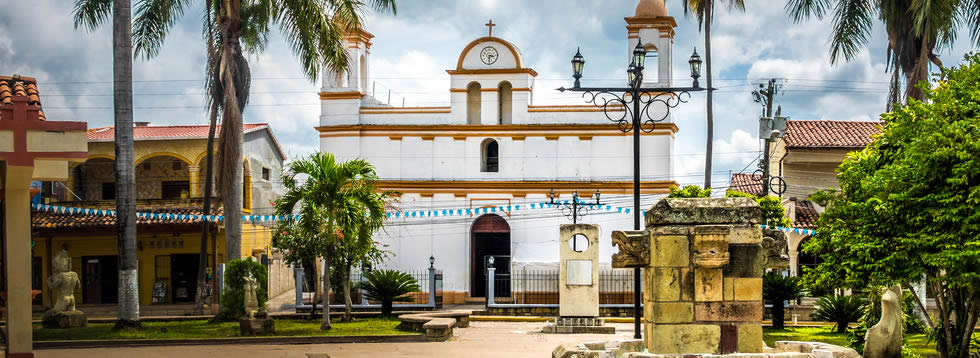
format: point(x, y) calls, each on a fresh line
point(917, 342)
point(203, 329)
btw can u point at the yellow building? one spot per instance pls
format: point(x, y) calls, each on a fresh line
point(170, 175)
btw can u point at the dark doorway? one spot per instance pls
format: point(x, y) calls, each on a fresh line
point(174, 189)
point(183, 275)
point(490, 237)
point(100, 275)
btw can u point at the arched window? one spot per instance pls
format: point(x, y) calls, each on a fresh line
point(473, 103)
point(491, 156)
point(651, 65)
point(364, 73)
point(504, 102)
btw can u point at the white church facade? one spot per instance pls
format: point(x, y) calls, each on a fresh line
point(495, 146)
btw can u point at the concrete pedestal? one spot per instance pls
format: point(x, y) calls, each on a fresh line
point(66, 319)
point(256, 326)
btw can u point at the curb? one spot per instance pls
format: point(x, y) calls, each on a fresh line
point(483, 318)
point(407, 338)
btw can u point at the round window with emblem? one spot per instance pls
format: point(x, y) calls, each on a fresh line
point(488, 55)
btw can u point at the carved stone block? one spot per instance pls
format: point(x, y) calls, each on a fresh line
point(711, 245)
point(634, 248)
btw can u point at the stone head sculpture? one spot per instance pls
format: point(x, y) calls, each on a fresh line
point(61, 262)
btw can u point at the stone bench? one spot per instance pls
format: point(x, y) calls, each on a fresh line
point(435, 325)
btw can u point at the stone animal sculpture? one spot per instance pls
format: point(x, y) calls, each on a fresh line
point(62, 283)
point(884, 340)
point(251, 302)
point(776, 250)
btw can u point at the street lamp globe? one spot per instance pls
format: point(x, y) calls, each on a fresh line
point(432, 261)
point(578, 64)
point(639, 54)
point(631, 74)
point(695, 63)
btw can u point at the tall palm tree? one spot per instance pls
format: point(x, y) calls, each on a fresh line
point(313, 28)
point(702, 10)
point(91, 15)
point(337, 201)
point(916, 28)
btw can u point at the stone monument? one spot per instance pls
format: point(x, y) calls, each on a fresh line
point(884, 340)
point(256, 320)
point(702, 263)
point(578, 286)
point(62, 284)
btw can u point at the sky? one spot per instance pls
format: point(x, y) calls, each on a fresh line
point(413, 49)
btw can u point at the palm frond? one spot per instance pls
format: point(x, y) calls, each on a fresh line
point(92, 13)
point(969, 12)
point(314, 38)
point(153, 20)
point(852, 26)
point(801, 10)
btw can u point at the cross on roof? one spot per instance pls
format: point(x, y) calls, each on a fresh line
point(490, 25)
point(19, 117)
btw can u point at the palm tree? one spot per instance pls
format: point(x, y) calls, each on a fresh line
point(778, 289)
point(313, 28)
point(915, 30)
point(702, 10)
point(90, 15)
point(337, 201)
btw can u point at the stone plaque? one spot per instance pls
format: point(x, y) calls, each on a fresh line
point(579, 272)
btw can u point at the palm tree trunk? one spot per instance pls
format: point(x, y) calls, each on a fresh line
point(348, 305)
point(122, 68)
point(711, 122)
point(325, 325)
point(778, 314)
point(231, 129)
point(202, 262)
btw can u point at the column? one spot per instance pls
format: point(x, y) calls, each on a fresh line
point(18, 260)
point(195, 176)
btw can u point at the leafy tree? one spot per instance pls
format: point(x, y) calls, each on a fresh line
point(777, 289)
point(908, 207)
point(915, 30)
point(689, 191)
point(703, 10)
point(839, 309)
point(389, 286)
point(340, 207)
point(233, 297)
point(773, 212)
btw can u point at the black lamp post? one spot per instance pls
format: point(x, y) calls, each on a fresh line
point(630, 108)
point(576, 208)
point(432, 262)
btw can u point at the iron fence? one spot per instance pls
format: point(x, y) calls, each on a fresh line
point(421, 296)
point(541, 287)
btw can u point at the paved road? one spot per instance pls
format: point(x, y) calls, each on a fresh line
point(482, 339)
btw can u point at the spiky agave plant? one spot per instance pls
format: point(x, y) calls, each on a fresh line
point(389, 286)
point(841, 310)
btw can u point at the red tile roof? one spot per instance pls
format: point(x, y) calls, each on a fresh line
point(806, 215)
point(44, 221)
point(746, 183)
point(15, 85)
point(830, 134)
point(107, 134)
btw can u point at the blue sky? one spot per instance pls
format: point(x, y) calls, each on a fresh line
point(413, 49)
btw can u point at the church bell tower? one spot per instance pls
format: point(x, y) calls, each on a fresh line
point(655, 28)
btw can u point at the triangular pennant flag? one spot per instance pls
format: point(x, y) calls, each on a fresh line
point(517, 207)
point(627, 210)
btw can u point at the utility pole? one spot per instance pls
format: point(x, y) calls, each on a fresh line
point(769, 128)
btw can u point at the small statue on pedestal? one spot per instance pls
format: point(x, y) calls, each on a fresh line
point(62, 284)
point(256, 320)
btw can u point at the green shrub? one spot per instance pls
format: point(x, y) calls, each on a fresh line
point(689, 191)
point(841, 310)
point(233, 295)
point(777, 289)
point(389, 286)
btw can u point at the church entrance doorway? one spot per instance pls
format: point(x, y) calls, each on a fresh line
point(490, 238)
